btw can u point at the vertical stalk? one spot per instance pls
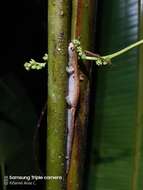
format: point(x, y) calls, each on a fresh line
point(81, 20)
point(139, 123)
point(57, 77)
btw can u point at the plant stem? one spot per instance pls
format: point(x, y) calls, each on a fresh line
point(122, 51)
point(82, 25)
point(138, 130)
point(113, 55)
point(57, 86)
point(90, 58)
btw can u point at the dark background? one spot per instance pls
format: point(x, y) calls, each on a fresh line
point(23, 35)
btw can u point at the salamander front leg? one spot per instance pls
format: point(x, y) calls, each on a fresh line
point(70, 69)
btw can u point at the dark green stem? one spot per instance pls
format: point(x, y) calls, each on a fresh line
point(57, 85)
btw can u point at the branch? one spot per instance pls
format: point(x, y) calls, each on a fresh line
point(103, 60)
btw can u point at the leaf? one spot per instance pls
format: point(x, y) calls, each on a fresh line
point(114, 123)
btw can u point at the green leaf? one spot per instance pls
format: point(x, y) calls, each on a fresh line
point(113, 141)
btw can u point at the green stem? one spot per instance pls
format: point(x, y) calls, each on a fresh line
point(111, 56)
point(90, 58)
point(106, 58)
point(57, 86)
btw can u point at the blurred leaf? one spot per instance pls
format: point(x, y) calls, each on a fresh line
point(116, 99)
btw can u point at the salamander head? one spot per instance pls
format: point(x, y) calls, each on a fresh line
point(71, 47)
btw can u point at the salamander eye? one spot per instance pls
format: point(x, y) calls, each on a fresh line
point(72, 48)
